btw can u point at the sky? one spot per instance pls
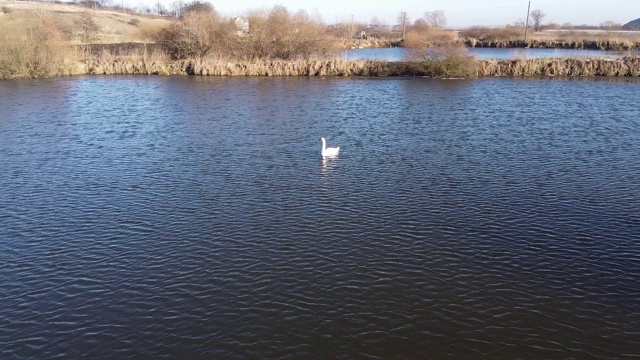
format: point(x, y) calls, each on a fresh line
point(459, 13)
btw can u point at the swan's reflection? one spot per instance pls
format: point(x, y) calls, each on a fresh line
point(327, 163)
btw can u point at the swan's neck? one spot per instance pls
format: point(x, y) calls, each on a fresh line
point(324, 145)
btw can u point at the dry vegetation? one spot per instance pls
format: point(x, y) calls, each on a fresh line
point(37, 50)
point(46, 39)
point(513, 36)
point(441, 66)
point(112, 26)
point(275, 34)
point(428, 36)
point(447, 61)
point(627, 67)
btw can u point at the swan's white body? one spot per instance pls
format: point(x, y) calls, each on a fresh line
point(329, 152)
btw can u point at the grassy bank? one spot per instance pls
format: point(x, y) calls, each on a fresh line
point(35, 59)
point(609, 45)
point(513, 37)
point(627, 67)
point(60, 39)
point(238, 68)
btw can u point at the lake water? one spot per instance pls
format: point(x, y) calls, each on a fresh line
point(399, 54)
point(192, 217)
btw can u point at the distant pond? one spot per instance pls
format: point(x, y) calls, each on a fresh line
point(398, 54)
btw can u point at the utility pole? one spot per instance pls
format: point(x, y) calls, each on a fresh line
point(404, 24)
point(351, 31)
point(526, 26)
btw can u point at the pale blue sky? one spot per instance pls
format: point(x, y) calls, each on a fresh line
point(459, 13)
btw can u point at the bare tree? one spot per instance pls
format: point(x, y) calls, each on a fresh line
point(162, 11)
point(610, 25)
point(536, 19)
point(435, 18)
point(85, 26)
point(283, 35)
point(420, 25)
point(375, 22)
point(199, 6)
point(177, 8)
point(192, 37)
point(403, 18)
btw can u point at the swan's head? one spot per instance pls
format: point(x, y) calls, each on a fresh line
point(323, 140)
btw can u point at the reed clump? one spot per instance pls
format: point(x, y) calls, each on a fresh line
point(421, 37)
point(485, 35)
point(442, 62)
point(134, 60)
point(625, 67)
point(279, 67)
point(512, 37)
point(610, 45)
point(451, 61)
point(144, 59)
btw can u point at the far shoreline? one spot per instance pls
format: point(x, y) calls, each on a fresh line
point(42, 40)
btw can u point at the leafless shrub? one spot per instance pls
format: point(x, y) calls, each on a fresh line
point(38, 50)
point(451, 61)
point(480, 33)
point(537, 16)
point(282, 35)
point(275, 34)
point(625, 67)
point(435, 18)
point(193, 36)
point(421, 37)
point(85, 26)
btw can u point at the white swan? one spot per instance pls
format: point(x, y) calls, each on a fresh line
point(328, 152)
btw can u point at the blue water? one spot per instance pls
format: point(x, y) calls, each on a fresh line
point(193, 217)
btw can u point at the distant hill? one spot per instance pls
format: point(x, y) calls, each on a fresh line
point(114, 26)
point(632, 25)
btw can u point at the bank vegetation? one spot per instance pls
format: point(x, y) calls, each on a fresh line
point(433, 65)
point(278, 43)
point(514, 37)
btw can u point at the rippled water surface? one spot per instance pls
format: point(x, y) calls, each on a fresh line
point(188, 217)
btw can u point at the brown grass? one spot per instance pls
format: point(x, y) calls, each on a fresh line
point(512, 36)
point(115, 27)
point(37, 50)
point(577, 35)
point(627, 67)
point(152, 60)
point(218, 67)
point(39, 40)
point(420, 38)
point(449, 61)
point(366, 43)
point(484, 34)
